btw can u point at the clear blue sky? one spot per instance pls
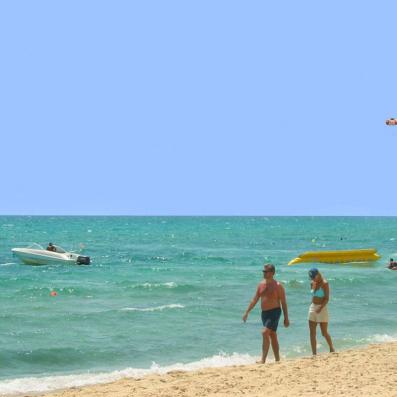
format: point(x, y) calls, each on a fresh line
point(198, 107)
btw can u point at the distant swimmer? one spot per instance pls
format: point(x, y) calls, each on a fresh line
point(391, 121)
point(51, 247)
point(392, 264)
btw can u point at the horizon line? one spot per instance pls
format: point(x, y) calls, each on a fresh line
point(202, 215)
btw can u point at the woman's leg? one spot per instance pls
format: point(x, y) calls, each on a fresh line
point(327, 336)
point(313, 341)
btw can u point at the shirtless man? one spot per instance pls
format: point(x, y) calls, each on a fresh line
point(272, 296)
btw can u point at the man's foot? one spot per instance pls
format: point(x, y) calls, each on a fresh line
point(332, 350)
point(261, 361)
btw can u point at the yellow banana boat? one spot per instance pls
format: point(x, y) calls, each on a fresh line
point(343, 256)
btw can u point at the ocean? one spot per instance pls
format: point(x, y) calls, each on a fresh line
point(168, 293)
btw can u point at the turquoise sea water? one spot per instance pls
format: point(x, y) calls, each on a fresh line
point(169, 292)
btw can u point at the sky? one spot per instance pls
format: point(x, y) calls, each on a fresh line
point(197, 107)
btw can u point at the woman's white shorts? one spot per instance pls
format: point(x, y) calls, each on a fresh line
point(321, 317)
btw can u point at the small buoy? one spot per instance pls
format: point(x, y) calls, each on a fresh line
point(313, 240)
point(53, 293)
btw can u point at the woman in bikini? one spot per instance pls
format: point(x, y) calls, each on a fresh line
point(318, 311)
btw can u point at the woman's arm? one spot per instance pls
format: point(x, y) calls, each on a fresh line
point(326, 296)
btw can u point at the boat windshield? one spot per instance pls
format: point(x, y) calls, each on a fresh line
point(36, 246)
point(59, 249)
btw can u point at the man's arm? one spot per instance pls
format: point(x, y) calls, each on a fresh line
point(251, 305)
point(326, 297)
point(284, 306)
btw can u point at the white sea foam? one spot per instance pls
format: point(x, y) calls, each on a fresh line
point(48, 383)
point(152, 309)
point(299, 349)
point(380, 338)
point(7, 264)
point(170, 284)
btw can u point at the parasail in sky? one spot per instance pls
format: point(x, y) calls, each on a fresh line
point(391, 121)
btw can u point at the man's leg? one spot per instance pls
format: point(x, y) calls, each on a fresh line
point(265, 343)
point(313, 341)
point(275, 346)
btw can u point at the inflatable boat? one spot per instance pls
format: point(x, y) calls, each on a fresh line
point(343, 256)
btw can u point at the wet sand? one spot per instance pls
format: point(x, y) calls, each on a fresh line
point(368, 371)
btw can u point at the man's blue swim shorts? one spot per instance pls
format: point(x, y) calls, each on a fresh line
point(271, 317)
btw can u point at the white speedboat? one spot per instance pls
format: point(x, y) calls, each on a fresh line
point(37, 255)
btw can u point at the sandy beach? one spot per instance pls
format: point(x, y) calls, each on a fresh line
point(369, 371)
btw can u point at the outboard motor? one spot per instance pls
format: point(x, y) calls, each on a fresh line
point(83, 260)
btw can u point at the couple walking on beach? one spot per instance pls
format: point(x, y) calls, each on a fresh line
point(273, 300)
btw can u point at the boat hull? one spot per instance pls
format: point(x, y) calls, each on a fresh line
point(343, 256)
point(44, 257)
